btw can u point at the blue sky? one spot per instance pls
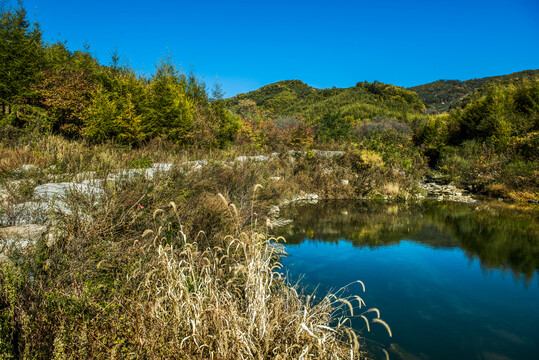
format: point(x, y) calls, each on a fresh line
point(248, 44)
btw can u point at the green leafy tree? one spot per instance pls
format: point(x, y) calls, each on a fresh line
point(116, 108)
point(99, 117)
point(65, 94)
point(196, 89)
point(108, 117)
point(57, 56)
point(227, 123)
point(217, 92)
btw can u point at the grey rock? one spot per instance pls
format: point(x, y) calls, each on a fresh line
point(33, 212)
point(296, 153)
point(157, 169)
point(165, 167)
point(131, 173)
point(93, 182)
point(54, 191)
point(307, 198)
point(252, 158)
point(328, 153)
point(22, 235)
point(85, 176)
point(197, 164)
point(275, 223)
point(151, 173)
point(445, 192)
point(28, 168)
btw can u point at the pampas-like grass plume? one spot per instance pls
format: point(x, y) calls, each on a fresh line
point(366, 322)
point(373, 310)
point(376, 320)
point(350, 307)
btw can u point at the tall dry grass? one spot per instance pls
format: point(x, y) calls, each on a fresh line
point(229, 301)
point(107, 289)
point(202, 282)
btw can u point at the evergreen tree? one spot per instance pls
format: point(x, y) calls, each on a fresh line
point(21, 57)
point(217, 92)
point(113, 114)
point(57, 56)
point(171, 110)
point(196, 89)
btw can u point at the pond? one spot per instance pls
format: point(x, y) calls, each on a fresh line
point(453, 281)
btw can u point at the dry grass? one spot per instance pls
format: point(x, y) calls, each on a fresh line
point(162, 293)
point(196, 278)
point(230, 302)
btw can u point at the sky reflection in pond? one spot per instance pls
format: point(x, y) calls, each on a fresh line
point(453, 281)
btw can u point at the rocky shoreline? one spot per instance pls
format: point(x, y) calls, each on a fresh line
point(24, 223)
point(449, 192)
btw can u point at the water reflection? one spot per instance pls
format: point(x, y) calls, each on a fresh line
point(437, 271)
point(499, 238)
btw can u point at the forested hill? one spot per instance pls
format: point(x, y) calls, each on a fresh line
point(443, 95)
point(368, 100)
point(360, 102)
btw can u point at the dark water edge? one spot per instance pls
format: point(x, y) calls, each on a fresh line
point(454, 281)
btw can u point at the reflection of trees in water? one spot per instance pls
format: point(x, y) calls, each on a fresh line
point(499, 238)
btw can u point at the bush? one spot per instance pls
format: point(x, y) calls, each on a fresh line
point(498, 112)
point(333, 127)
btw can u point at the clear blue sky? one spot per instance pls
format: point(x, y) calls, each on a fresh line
point(248, 44)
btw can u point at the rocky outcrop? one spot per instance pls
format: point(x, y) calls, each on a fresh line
point(435, 190)
point(26, 168)
point(59, 191)
point(321, 153)
point(33, 212)
point(275, 221)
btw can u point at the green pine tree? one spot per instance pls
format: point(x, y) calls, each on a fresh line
point(21, 57)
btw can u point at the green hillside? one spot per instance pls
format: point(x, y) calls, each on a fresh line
point(443, 95)
point(361, 102)
point(370, 100)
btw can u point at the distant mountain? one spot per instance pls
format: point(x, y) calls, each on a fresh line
point(443, 95)
point(367, 100)
point(360, 102)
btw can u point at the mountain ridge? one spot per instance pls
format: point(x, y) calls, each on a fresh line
point(440, 95)
point(360, 102)
point(444, 94)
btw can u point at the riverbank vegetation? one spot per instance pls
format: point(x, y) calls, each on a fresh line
point(173, 265)
point(168, 255)
point(487, 143)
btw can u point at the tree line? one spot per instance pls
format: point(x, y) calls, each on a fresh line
point(49, 87)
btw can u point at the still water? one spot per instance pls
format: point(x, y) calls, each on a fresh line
point(453, 281)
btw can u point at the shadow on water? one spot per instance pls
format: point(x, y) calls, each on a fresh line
point(454, 281)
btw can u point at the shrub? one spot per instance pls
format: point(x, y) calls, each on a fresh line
point(333, 127)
